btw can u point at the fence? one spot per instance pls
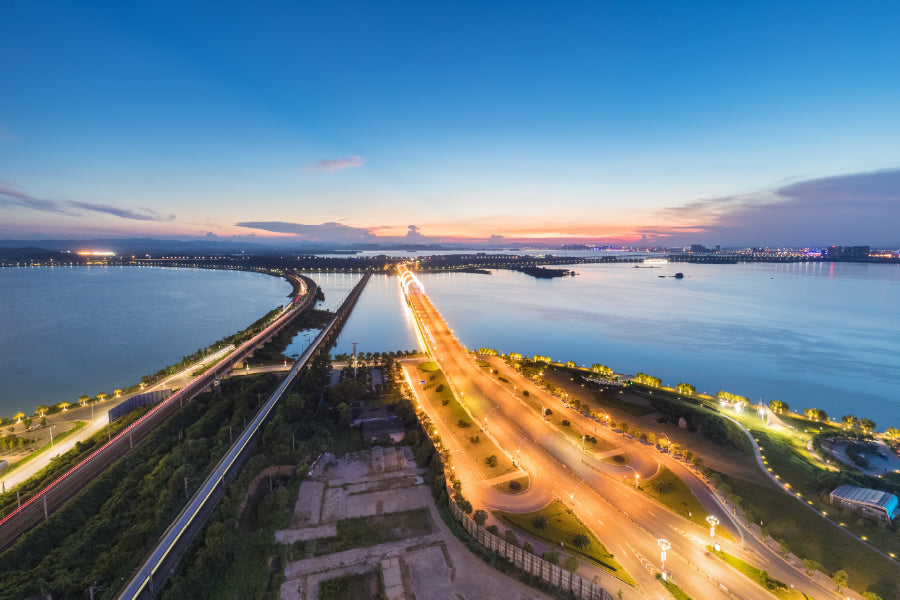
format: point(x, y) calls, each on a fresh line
point(136, 402)
point(528, 562)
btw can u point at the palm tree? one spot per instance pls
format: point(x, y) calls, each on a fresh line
point(19, 416)
point(117, 393)
point(41, 410)
point(101, 396)
point(84, 399)
point(64, 406)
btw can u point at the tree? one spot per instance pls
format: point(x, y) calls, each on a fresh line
point(816, 414)
point(117, 393)
point(601, 370)
point(571, 564)
point(511, 537)
point(581, 541)
point(20, 415)
point(83, 399)
point(849, 421)
point(867, 424)
point(540, 522)
point(686, 388)
point(841, 579)
point(493, 529)
point(491, 460)
point(810, 566)
point(41, 410)
point(344, 414)
point(551, 557)
point(779, 407)
point(480, 517)
point(871, 596)
point(893, 433)
point(64, 406)
point(101, 396)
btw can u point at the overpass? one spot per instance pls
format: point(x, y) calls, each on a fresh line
point(59, 491)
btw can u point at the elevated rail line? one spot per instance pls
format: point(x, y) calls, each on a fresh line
point(161, 562)
point(59, 491)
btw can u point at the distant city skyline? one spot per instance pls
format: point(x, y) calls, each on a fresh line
point(609, 123)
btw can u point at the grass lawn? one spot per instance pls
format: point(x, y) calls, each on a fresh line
point(676, 591)
point(464, 429)
point(509, 487)
point(365, 586)
point(809, 536)
point(362, 532)
point(563, 526)
point(428, 367)
point(776, 587)
point(668, 489)
point(621, 402)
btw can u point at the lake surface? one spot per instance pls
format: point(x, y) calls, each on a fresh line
point(811, 334)
point(379, 322)
point(68, 331)
point(823, 335)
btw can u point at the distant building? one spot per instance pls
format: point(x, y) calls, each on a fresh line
point(847, 252)
point(874, 504)
point(699, 249)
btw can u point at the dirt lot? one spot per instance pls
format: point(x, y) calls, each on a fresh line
point(372, 485)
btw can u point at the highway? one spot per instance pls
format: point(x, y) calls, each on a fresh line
point(628, 522)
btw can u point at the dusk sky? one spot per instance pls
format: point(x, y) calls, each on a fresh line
point(740, 123)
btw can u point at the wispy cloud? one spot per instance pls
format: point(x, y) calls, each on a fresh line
point(323, 232)
point(333, 164)
point(11, 195)
point(857, 208)
point(123, 213)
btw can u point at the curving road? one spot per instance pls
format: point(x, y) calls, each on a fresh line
point(628, 522)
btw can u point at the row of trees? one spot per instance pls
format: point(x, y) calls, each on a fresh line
point(723, 395)
point(648, 379)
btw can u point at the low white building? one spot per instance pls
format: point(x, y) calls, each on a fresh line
point(874, 504)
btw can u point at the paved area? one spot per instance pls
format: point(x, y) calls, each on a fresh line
point(434, 566)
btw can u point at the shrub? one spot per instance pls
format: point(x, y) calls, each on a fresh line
point(551, 557)
point(540, 522)
point(491, 460)
point(527, 547)
point(581, 541)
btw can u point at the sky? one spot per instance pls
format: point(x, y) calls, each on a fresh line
point(657, 123)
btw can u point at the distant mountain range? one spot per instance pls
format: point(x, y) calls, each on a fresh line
point(194, 247)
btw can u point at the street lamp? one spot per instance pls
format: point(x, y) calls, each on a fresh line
point(712, 526)
point(663, 546)
point(636, 476)
point(51, 435)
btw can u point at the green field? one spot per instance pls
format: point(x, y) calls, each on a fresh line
point(562, 527)
point(776, 587)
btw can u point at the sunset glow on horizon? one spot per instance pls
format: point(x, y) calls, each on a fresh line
point(399, 122)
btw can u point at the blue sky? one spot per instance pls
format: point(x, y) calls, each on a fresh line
point(604, 121)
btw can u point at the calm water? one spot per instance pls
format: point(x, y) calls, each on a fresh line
point(68, 331)
point(378, 323)
point(814, 335)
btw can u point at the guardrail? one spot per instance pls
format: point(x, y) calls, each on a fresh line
point(59, 491)
point(158, 566)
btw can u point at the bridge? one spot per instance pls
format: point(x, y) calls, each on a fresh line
point(56, 493)
point(155, 570)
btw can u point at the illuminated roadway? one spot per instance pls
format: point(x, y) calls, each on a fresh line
point(628, 522)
